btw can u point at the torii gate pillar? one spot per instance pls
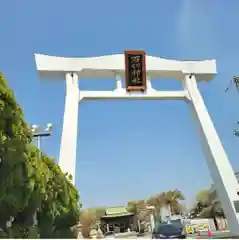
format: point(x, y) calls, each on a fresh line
point(188, 72)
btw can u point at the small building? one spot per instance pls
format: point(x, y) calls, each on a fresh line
point(117, 219)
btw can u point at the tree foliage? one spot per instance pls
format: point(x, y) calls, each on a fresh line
point(88, 219)
point(207, 206)
point(210, 206)
point(203, 196)
point(171, 199)
point(36, 197)
point(135, 206)
point(15, 184)
point(58, 210)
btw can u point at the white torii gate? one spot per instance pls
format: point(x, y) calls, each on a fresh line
point(188, 72)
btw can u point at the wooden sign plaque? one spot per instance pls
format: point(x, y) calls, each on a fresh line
point(135, 71)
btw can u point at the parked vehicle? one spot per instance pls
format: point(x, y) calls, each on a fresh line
point(178, 224)
point(166, 231)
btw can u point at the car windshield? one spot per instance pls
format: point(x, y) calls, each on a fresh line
point(177, 224)
point(168, 230)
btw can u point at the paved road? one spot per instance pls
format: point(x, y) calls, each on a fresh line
point(132, 235)
point(126, 235)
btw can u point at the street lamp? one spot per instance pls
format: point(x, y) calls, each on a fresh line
point(38, 133)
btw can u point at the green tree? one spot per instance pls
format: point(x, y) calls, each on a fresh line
point(134, 206)
point(15, 187)
point(36, 198)
point(38, 177)
point(155, 201)
point(204, 197)
point(59, 211)
point(139, 208)
point(87, 219)
point(172, 200)
point(208, 206)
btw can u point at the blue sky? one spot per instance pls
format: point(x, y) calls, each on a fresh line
point(115, 161)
